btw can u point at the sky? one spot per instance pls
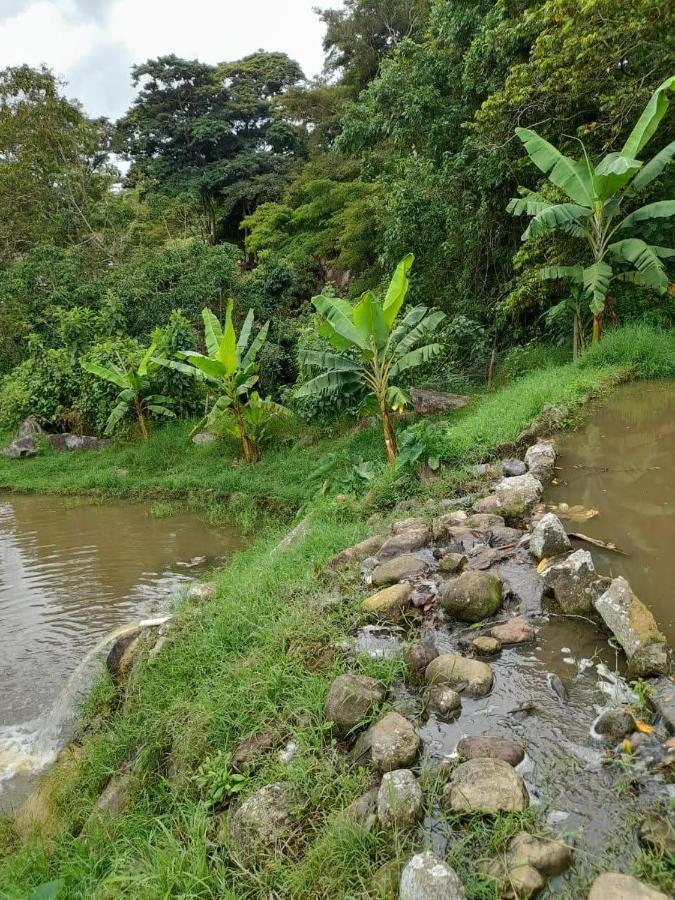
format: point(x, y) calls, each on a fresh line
point(91, 44)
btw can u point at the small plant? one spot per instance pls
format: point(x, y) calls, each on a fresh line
point(215, 780)
point(417, 444)
point(258, 416)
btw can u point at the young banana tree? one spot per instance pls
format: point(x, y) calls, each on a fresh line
point(373, 347)
point(594, 210)
point(136, 390)
point(229, 366)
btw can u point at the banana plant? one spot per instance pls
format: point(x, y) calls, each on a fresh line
point(373, 346)
point(135, 395)
point(229, 366)
point(594, 209)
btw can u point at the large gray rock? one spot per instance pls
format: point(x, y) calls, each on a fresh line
point(489, 747)
point(70, 442)
point(392, 743)
point(574, 583)
point(418, 654)
point(204, 438)
point(399, 800)
point(20, 449)
point(444, 701)
point(351, 699)
point(426, 877)
point(30, 427)
point(512, 467)
point(431, 403)
point(615, 724)
point(441, 524)
point(359, 551)
point(452, 563)
point(613, 886)
point(472, 596)
point(526, 865)
point(201, 592)
point(389, 603)
point(540, 460)
point(114, 797)
point(515, 496)
point(663, 698)
point(464, 675)
point(635, 629)
point(398, 568)
point(483, 521)
point(484, 785)
point(549, 537)
point(262, 821)
point(405, 541)
point(363, 810)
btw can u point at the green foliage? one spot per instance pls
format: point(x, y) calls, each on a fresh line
point(187, 394)
point(418, 443)
point(645, 351)
point(47, 386)
point(216, 782)
point(531, 357)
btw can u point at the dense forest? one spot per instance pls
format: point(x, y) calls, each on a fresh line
point(246, 180)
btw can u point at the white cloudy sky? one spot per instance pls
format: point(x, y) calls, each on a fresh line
point(92, 43)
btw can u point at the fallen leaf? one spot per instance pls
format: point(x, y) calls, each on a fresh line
point(542, 565)
point(644, 727)
point(626, 746)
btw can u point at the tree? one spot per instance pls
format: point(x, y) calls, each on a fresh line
point(373, 347)
point(595, 199)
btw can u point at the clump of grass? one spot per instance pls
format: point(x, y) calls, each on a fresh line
point(645, 351)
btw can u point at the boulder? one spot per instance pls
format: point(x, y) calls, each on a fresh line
point(249, 751)
point(122, 653)
point(392, 743)
point(502, 535)
point(363, 810)
point(485, 785)
point(615, 724)
point(452, 563)
point(574, 583)
point(540, 460)
point(204, 438)
point(69, 442)
point(486, 646)
point(431, 403)
point(483, 521)
point(114, 797)
point(418, 654)
point(412, 523)
point(262, 821)
point(201, 592)
point(488, 747)
point(472, 596)
point(635, 629)
point(30, 427)
point(515, 631)
point(359, 551)
point(663, 698)
point(490, 504)
point(441, 524)
point(465, 675)
point(513, 467)
point(657, 831)
point(463, 539)
point(443, 701)
point(351, 699)
point(613, 886)
point(386, 880)
point(405, 542)
point(398, 568)
point(527, 864)
point(21, 448)
point(517, 495)
point(550, 419)
point(426, 877)
point(549, 538)
point(399, 800)
point(389, 603)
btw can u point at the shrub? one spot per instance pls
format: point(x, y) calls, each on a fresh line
point(45, 386)
point(646, 351)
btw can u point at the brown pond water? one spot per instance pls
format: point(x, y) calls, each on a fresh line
point(71, 573)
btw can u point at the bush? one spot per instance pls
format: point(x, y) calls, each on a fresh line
point(646, 351)
point(45, 386)
point(531, 357)
point(187, 394)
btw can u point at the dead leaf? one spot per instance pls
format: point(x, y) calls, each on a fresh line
point(626, 746)
point(644, 727)
point(543, 563)
point(575, 513)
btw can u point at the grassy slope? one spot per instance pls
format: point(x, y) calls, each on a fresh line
point(261, 653)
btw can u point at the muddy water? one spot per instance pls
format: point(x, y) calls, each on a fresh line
point(70, 574)
point(621, 461)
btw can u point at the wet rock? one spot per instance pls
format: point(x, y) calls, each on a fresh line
point(483, 521)
point(465, 675)
point(399, 800)
point(517, 495)
point(359, 551)
point(20, 449)
point(635, 629)
point(70, 442)
point(613, 886)
point(550, 419)
point(472, 596)
point(527, 864)
point(426, 877)
point(452, 563)
point(392, 743)
point(378, 642)
point(502, 535)
point(488, 747)
point(513, 467)
point(201, 592)
point(443, 701)
point(657, 832)
point(663, 698)
point(540, 460)
point(515, 631)
point(398, 568)
point(249, 751)
point(424, 592)
point(574, 583)
point(405, 542)
point(114, 796)
point(262, 821)
point(363, 810)
point(549, 537)
point(351, 699)
point(204, 438)
point(386, 880)
point(463, 539)
point(389, 603)
point(419, 654)
point(484, 785)
point(615, 724)
point(122, 653)
point(486, 646)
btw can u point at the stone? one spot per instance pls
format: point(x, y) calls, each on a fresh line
point(389, 603)
point(527, 863)
point(359, 551)
point(20, 449)
point(251, 749)
point(465, 675)
point(517, 495)
point(574, 583)
point(550, 419)
point(486, 646)
point(463, 539)
point(201, 592)
point(520, 883)
point(515, 631)
point(635, 629)
point(204, 438)
point(351, 699)
point(419, 654)
point(657, 832)
point(70, 442)
point(452, 563)
point(426, 877)
point(481, 470)
point(484, 785)
point(472, 596)
point(114, 796)
point(483, 521)
point(512, 467)
point(386, 880)
point(262, 821)
point(426, 402)
point(489, 747)
point(410, 524)
point(502, 535)
point(392, 743)
point(122, 653)
point(540, 460)
point(613, 886)
point(549, 538)
point(443, 701)
point(397, 569)
point(663, 698)
point(399, 800)
point(441, 524)
point(30, 427)
point(615, 724)
point(363, 810)
point(405, 542)
point(489, 504)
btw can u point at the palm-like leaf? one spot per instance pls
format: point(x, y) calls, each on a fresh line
point(645, 259)
point(415, 358)
point(648, 122)
point(651, 170)
point(596, 284)
point(551, 273)
point(328, 383)
point(571, 176)
point(556, 216)
point(339, 323)
point(213, 333)
point(662, 209)
point(107, 373)
point(397, 290)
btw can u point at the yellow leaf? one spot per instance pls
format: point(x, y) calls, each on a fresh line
point(644, 727)
point(542, 565)
point(626, 746)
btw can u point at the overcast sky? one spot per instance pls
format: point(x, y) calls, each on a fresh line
point(92, 43)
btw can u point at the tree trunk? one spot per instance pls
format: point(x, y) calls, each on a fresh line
point(247, 447)
point(491, 367)
point(597, 322)
point(575, 337)
point(389, 436)
point(141, 418)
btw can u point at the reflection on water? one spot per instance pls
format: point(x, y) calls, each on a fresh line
point(70, 573)
point(622, 463)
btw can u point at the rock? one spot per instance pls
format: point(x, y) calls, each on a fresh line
point(489, 504)
point(452, 563)
point(441, 524)
point(483, 521)
point(635, 629)
point(20, 449)
point(204, 438)
point(513, 467)
point(472, 596)
point(444, 701)
point(114, 796)
point(77, 442)
point(574, 583)
point(521, 883)
point(398, 568)
point(363, 810)
point(663, 698)
point(262, 821)
point(488, 747)
point(613, 886)
point(121, 655)
point(486, 646)
point(517, 495)
point(448, 503)
point(515, 631)
point(501, 535)
point(657, 832)
point(484, 785)
point(540, 460)
point(249, 751)
point(431, 403)
point(426, 877)
point(615, 724)
point(399, 800)
point(201, 592)
point(386, 880)
point(410, 524)
point(527, 864)
point(351, 699)
point(465, 675)
point(405, 542)
point(419, 654)
point(392, 743)
point(550, 419)
point(481, 470)
point(463, 538)
point(389, 603)
point(549, 537)
point(30, 427)
point(359, 551)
